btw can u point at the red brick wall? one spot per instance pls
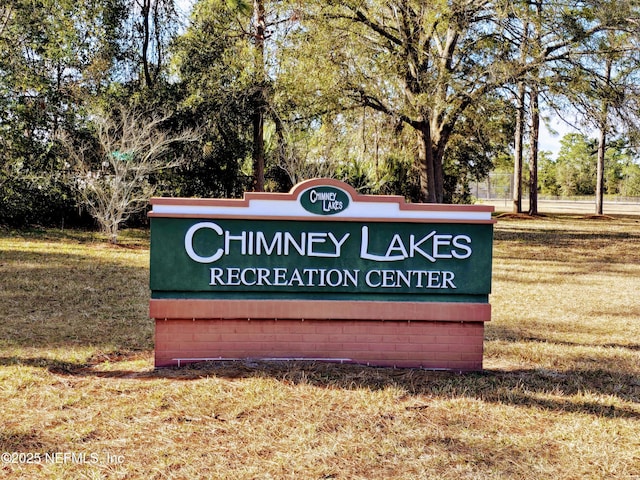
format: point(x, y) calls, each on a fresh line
point(428, 344)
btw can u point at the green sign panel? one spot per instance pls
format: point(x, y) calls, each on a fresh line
point(374, 260)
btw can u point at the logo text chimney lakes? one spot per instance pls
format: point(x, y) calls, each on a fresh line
point(324, 200)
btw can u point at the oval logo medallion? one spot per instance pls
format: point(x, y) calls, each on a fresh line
point(324, 200)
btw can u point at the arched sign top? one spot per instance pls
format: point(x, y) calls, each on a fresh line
point(318, 199)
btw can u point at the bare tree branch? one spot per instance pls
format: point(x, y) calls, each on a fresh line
point(112, 175)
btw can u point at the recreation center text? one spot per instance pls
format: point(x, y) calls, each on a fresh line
point(215, 243)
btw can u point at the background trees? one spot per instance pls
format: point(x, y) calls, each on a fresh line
point(54, 55)
point(574, 172)
point(407, 97)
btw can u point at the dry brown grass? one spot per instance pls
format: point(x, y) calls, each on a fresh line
point(559, 399)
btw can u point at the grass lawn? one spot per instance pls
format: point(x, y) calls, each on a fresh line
point(559, 397)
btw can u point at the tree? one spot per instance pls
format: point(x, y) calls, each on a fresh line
point(630, 181)
point(112, 171)
point(519, 145)
point(601, 83)
point(548, 175)
point(574, 173)
point(534, 109)
point(54, 57)
point(424, 64)
point(216, 93)
point(602, 141)
point(259, 34)
point(157, 21)
point(233, 41)
point(575, 165)
point(521, 110)
point(410, 60)
point(299, 156)
point(480, 139)
point(617, 84)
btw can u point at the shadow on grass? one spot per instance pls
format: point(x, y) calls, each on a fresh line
point(634, 347)
point(559, 237)
point(573, 391)
point(55, 299)
point(603, 247)
point(19, 442)
point(128, 237)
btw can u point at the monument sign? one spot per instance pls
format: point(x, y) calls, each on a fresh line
point(320, 273)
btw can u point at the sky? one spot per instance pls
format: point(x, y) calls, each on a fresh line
point(550, 142)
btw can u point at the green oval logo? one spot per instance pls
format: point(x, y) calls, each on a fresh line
point(324, 200)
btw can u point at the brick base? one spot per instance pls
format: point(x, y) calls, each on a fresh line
point(427, 344)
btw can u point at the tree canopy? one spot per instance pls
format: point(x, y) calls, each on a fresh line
point(400, 97)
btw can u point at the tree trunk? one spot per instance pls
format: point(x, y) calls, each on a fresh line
point(426, 160)
point(259, 104)
point(518, 151)
point(438, 168)
point(258, 150)
point(533, 160)
point(602, 146)
point(146, 10)
point(535, 122)
point(519, 135)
